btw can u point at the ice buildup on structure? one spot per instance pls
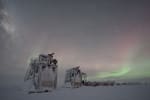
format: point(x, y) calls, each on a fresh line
point(43, 72)
point(74, 77)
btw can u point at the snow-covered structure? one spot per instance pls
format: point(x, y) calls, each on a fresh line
point(74, 77)
point(43, 72)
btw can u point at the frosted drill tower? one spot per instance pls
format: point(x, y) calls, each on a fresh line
point(43, 72)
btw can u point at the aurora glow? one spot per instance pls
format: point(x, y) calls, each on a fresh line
point(118, 73)
point(121, 72)
point(127, 50)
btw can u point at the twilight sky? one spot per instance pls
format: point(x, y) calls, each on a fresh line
point(109, 39)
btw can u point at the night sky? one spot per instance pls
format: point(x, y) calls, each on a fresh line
point(109, 39)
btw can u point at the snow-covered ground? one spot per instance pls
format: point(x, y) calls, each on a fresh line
point(83, 93)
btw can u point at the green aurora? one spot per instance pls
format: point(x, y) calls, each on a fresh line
point(128, 71)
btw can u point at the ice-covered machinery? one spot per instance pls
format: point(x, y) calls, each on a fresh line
point(74, 77)
point(43, 72)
